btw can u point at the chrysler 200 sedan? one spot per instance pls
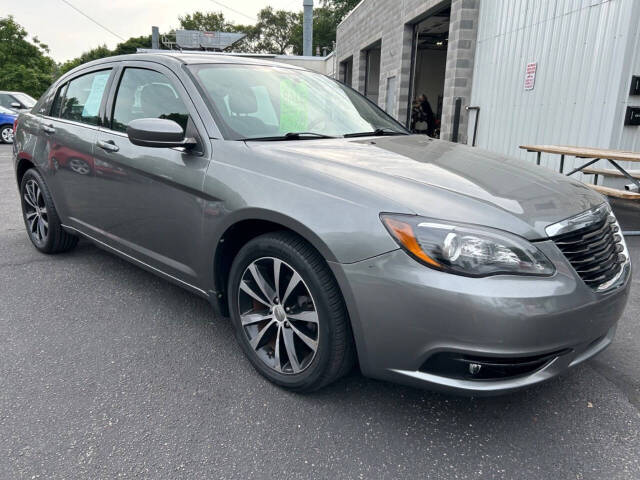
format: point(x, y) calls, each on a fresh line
point(320, 226)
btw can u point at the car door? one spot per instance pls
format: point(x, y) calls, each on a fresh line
point(70, 132)
point(148, 201)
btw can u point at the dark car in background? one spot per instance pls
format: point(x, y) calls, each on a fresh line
point(326, 231)
point(7, 117)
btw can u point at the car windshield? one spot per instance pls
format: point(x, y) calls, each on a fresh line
point(264, 102)
point(25, 99)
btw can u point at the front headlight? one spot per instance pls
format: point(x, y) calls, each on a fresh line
point(466, 249)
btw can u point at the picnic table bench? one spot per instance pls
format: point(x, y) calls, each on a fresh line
point(594, 155)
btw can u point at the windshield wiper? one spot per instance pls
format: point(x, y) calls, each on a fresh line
point(290, 136)
point(378, 132)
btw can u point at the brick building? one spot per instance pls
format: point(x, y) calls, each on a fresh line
point(395, 50)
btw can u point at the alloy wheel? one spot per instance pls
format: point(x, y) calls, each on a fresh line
point(7, 135)
point(35, 212)
point(278, 315)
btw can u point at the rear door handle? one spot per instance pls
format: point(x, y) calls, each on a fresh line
point(48, 129)
point(108, 145)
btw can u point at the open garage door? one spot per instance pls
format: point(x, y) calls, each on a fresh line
point(431, 40)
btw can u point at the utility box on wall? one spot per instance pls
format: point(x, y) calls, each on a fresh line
point(633, 116)
point(635, 85)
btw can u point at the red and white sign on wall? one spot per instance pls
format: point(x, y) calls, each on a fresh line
point(530, 76)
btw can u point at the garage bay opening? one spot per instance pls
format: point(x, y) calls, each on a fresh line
point(431, 40)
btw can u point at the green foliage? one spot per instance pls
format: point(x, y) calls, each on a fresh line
point(93, 54)
point(131, 45)
point(123, 48)
point(276, 30)
point(340, 8)
point(206, 22)
point(24, 65)
point(324, 31)
point(325, 24)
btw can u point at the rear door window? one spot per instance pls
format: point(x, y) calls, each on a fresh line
point(6, 100)
point(83, 96)
point(146, 93)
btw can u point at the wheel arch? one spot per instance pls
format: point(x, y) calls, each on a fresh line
point(22, 166)
point(244, 226)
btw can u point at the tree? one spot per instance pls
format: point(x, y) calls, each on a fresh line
point(206, 22)
point(325, 24)
point(94, 54)
point(276, 30)
point(248, 44)
point(132, 45)
point(340, 8)
point(123, 48)
point(24, 65)
point(324, 30)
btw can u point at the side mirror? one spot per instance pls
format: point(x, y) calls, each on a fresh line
point(158, 132)
point(16, 105)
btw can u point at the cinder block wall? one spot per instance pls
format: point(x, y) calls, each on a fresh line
point(463, 30)
point(392, 23)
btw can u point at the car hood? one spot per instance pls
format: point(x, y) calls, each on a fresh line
point(446, 180)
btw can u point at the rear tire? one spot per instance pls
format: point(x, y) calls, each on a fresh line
point(40, 216)
point(311, 313)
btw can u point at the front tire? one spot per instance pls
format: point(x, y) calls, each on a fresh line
point(40, 216)
point(289, 314)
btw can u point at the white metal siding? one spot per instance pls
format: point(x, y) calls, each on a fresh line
point(582, 48)
point(628, 138)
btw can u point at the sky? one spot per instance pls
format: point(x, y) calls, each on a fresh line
point(68, 33)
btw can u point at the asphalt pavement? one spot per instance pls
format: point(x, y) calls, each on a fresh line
point(107, 371)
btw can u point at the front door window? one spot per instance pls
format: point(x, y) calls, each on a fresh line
point(147, 94)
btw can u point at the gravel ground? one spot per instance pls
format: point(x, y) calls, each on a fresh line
point(107, 371)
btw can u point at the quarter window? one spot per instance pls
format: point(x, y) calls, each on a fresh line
point(147, 94)
point(55, 108)
point(83, 97)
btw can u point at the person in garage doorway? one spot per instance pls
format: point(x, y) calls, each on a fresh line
point(423, 119)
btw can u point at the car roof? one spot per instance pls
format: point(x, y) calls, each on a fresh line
point(172, 58)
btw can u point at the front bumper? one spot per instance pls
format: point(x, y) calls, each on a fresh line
point(403, 313)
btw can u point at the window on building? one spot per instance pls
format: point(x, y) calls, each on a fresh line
point(372, 72)
point(346, 71)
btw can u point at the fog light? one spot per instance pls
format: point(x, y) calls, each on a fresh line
point(474, 368)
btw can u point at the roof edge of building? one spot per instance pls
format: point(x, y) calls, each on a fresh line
point(349, 14)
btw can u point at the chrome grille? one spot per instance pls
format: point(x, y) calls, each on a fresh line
point(596, 250)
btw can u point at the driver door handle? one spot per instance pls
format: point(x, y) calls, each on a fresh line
point(108, 145)
point(48, 129)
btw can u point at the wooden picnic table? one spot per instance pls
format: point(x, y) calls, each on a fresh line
point(585, 152)
point(594, 154)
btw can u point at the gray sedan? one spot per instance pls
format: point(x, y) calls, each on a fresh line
point(327, 232)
